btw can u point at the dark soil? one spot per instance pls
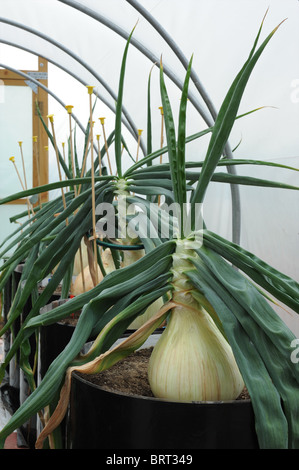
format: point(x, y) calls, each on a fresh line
point(130, 376)
point(72, 319)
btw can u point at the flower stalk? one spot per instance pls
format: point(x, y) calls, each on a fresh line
point(37, 164)
point(90, 91)
point(102, 120)
point(51, 119)
point(69, 109)
point(138, 143)
point(29, 206)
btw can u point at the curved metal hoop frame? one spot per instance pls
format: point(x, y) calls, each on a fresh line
point(209, 117)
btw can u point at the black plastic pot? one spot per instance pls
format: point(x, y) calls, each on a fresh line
point(53, 339)
point(100, 419)
point(29, 429)
point(14, 370)
point(16, 388)
point(7, 300)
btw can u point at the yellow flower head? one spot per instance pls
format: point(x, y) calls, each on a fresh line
point(34, 138)
point(98, 136)
point(20, 143)
point(161, 109)
point(90, 89)
point(140, 131)
point(102, 119)
point(12, 159)
point(51, 117)
point(69, 108)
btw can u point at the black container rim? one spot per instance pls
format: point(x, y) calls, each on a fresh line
point(76, 376)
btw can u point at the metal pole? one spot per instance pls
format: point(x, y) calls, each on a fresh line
point(36, 82)
point(79, 60)
point(76, 77)
point(146, 52)
point(236, 205)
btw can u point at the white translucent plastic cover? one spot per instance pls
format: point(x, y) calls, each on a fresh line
point(84, 42)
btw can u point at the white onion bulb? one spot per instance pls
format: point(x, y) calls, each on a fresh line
point(77, 287)
point(192, 361)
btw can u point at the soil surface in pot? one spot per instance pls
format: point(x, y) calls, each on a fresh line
point(130, 376)
point(72, 319)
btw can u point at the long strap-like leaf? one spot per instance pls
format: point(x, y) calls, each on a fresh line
point(225, 120)
point(267, 332)
point(181, 149)
point(118, 112)
point(284, 288)
point(117, 282)
point(256, 335)
point(270, 422)
point(103, 362)
point(170, 136)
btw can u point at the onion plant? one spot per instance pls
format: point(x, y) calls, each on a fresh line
point(221, 329)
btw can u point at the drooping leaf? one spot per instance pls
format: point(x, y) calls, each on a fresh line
point(255, 338)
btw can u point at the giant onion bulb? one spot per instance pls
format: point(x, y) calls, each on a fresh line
point(151, 310)
point(77, 260)
point(192, 361)
point(77, 287)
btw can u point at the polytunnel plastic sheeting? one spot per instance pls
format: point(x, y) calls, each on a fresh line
point(81, 49)
point(193, 29)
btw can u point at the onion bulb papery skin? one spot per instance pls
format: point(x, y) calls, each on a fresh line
point(192, 361)
point(150, 311)
point(77, 260)
point(77, 287)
